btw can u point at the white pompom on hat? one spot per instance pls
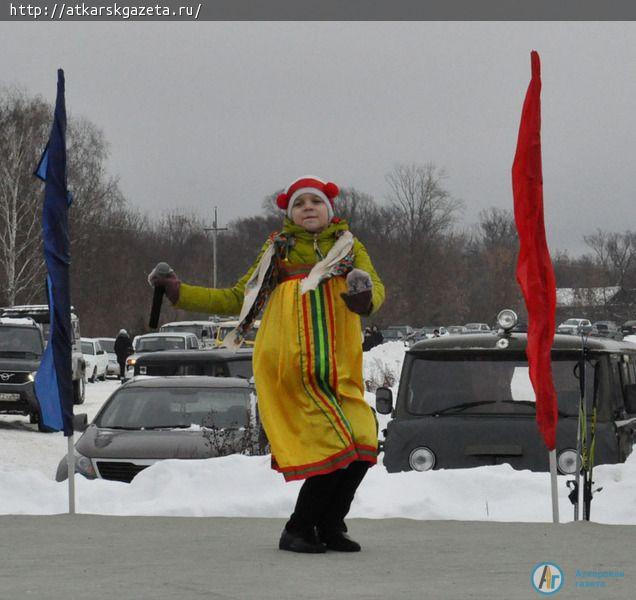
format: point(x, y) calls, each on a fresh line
point(308, 184)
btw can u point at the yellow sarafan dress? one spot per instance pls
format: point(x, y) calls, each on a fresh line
point(307, 359)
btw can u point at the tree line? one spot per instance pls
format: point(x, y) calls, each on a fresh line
point(435, 271)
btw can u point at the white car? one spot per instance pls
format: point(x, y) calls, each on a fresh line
point(95, 358)
point(156, 342)
point(108, 346)
point(477, 327)
point(575, 326)
point(204, 330)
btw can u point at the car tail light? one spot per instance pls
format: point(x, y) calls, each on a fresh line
point(422, 459)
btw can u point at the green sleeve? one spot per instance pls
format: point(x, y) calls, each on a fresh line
point(362, 261)
point(227, 301)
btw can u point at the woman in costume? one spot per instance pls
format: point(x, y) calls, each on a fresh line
point(312, 280)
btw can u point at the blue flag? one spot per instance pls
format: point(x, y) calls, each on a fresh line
point(54, 379)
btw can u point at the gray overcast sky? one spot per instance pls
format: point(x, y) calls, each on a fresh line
point(203, 114)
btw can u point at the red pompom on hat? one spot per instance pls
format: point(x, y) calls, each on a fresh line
point(308, 184)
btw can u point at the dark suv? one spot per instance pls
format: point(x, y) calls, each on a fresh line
point(467, 401)
point(21, 348)
point(218, 362)
point(607, 329)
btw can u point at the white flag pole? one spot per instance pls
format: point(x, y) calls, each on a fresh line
point(70, 465)
point(555, 491)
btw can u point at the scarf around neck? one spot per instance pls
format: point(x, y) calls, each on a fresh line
point(338, 261)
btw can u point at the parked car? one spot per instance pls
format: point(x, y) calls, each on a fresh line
point(158, 342)
point(476, 327)
point(575, 326)
point(224, 328)
point(456, 329)
point(607, 329)
point(218, 362)
point(204, 330)
point(108, 345)
point(21, 349)
point(468, 401)
point(628, 328)
point(158, 418)
point(40, 314)
point(96, 359)
point(395, 333)
point(425, 333)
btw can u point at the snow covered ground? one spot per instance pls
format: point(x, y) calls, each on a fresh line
point(246, 486)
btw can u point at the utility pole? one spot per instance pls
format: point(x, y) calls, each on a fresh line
point(214, 229)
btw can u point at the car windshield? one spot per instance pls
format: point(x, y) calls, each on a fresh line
point(152, 344)
point(191, 328)
point(20, 341)
point(497, 386)
point(87, 348)
point(571, 322)
point(176, 407)
point(108, 345)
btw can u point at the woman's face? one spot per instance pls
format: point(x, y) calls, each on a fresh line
point(310, 213)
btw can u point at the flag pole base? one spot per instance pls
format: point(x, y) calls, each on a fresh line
point(70, 465)
point(553, 482)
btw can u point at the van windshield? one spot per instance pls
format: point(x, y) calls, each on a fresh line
point(487, 386)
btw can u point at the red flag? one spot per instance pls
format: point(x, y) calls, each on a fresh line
point(534, 267)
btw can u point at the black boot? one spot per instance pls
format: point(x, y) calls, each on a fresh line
point(340, 542)
point(299, 534)
point(305, 542)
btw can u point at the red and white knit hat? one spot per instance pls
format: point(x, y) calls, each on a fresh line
point(308, 184)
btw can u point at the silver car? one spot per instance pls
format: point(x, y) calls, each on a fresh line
point(156, 418)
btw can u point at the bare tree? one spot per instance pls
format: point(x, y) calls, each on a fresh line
point(423, 206)
point(24, 125)
point(615, 253)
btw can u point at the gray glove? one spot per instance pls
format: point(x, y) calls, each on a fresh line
point(164, 276)
point(358, 281)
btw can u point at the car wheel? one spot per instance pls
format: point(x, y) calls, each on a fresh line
point(91, 379)
point(79, 390)
point(103, 377)
point(36, 417)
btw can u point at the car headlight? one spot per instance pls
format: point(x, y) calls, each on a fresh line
point(31, 376)
point(422, 459)
point(84, 466)
point(567, 461)
point(131, 362)
point(507, 319)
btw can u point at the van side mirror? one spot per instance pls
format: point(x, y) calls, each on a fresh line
point(80, 422)
point(630, 398)
point(384, 400)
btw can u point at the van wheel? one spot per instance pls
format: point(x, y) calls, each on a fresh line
point(79, 390)
point(91, 379)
